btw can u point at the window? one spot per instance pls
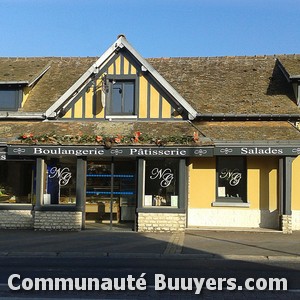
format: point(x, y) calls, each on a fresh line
point(121, 98)
point(10, 98)
point(60, 181)
point(162, 183)
point(17, 182)
point(231, 179)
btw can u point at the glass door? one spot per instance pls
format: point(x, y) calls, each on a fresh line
point(111, 194)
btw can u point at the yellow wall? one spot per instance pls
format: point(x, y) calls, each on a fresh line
point(148, 96)
point(262, 182)
point(202, 182)
point(26, 92)
point(296, 184)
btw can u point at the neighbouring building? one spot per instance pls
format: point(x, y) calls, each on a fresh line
point(160, 144)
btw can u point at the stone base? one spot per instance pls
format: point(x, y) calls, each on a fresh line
point(57, 220)
point(161, 222)
point(286, 224)
point(233, 217)
point(16, 219)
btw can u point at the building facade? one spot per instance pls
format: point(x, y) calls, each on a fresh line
point(149, 144)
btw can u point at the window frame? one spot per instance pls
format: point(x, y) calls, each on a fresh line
point(243, 199)
point(182, 189)
point(109, 96)
point(22, 205)
point(67, 168)
point(17, 89)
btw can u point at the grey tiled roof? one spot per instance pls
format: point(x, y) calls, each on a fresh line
point(231, 85)
point(291, 64)
point(248, 85)
point(62, 74)
point(249, 131)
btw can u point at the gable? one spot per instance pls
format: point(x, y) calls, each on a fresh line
point(150, 99)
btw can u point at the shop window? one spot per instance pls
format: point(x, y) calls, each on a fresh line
point(162, 183)
point(121, 98)
point(60, 181)
point(10, 98)
point(231, 179)
point(17, 182)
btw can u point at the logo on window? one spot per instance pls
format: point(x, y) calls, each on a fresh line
point(64, 175)
point(232, 176)
point(166, 176)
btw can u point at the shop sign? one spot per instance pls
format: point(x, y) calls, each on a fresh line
point(255, 150)
point(115, 151)
point(2, 153)
point(164, 175)
point(63, 175)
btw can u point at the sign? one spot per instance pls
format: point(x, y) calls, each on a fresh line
point(2, 153)
point(257, 151)
point(63, 175)
point(114, 151)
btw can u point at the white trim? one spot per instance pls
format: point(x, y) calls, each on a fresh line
point(191, 112)
point(134, 117)
point(39, 76)
point(94, 69)
point(52, 111)
point(230, 204)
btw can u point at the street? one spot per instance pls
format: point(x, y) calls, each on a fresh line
point(107, 267)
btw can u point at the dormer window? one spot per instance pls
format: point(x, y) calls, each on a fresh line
point(10, 97)
point(121, 98)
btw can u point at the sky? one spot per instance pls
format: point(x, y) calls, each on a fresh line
point(155, 28)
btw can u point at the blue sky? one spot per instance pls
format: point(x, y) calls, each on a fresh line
point(156, 28)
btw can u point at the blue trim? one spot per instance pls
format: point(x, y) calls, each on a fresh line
point(108, 193)
point(109, 175)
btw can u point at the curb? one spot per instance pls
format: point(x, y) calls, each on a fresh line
point(270, 258)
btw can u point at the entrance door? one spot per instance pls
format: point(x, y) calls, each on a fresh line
point(111, 194)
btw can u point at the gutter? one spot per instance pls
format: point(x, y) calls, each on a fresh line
point(23, 116)
point(247, 117)
point(14, 82)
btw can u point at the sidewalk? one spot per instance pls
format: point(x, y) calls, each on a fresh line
point(206, 244)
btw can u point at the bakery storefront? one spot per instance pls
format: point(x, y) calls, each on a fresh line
point(72, 187)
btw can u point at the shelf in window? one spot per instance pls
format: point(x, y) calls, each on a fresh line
point(109, 175)
point(108, 193)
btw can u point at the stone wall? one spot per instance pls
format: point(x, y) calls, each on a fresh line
point(159, 222)
point(57, 220)
point(16, 219)
point(233, 217)
point(286, 224)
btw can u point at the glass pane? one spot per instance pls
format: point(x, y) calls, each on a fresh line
point(161, 183)
point(8, 99)
point(17, 182)
point(98, 192)
point(231, 177)
point(128, 97)
point(60, 185)
point(116, 104)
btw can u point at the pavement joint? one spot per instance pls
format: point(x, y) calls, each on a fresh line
point(175, 243)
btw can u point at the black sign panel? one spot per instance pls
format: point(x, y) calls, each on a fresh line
point(257, 151)
point(114, 151)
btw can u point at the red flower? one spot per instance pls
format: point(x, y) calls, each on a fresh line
point(196, 136)
point(27, 136)
point(137, 134)
point(99, 139)
point(118, 139)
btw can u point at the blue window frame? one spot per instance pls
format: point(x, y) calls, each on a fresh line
point(121, 98)
point(10, 98)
